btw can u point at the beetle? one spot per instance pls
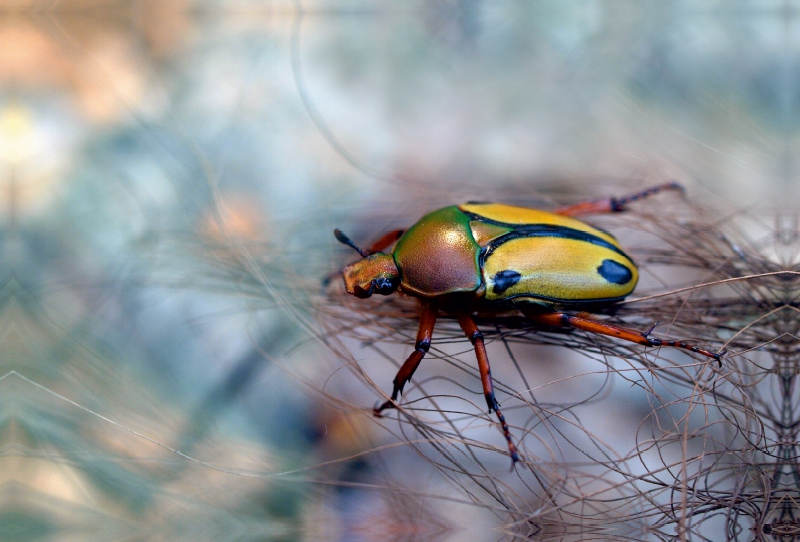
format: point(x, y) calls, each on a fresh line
point(489, 255)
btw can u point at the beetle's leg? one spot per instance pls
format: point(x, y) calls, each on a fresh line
point(613, 205)
point(476, 337)
point(426, 322)
point(560, 319)
point(385, 241)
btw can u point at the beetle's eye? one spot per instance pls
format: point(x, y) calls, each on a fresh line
point(384, 286)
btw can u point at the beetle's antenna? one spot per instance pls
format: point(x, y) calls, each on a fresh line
point(345, 240)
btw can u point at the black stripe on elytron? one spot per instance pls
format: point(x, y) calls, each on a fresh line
point(538, 230)
point(550, 302)
point(547, 230)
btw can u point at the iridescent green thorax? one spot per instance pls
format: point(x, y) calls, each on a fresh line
point(439, 255)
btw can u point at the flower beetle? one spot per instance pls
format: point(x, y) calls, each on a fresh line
point(483, 255)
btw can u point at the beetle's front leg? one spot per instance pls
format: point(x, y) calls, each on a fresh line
point(427, 319)
point(613, 205)
point(561, 319)
point(476, 338)
point(385, 241)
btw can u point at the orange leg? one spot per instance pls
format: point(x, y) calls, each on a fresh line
point(426, 322)
point(385, 241)
point(476, 337)
point(613, 205)
point(560, 319)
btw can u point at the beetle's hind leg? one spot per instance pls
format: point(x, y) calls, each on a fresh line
point(561, 319)
point(424, 333)
point(614, 205)
point(476, 337)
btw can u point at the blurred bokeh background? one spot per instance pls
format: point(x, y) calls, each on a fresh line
point(171, 172)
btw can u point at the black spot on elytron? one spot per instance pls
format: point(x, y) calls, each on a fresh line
point(504, 280)
point(615, 272)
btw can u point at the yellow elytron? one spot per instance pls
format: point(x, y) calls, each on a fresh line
point(547, 258)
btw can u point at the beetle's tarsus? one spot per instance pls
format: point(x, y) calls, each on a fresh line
point(686, 346)
point(618, 204)
point(491, 400)
point(378, 408)
point(614, 205)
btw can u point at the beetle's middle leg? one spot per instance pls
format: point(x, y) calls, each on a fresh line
point(424, 334)
point(561, 319)
point(476, 337)
point(613, 205)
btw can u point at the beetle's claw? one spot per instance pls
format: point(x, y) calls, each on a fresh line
point(675, 185)
point(380, 407)
point(718, 356)
point(649, 331)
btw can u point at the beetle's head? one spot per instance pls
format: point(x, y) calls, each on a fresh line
point(377, 272)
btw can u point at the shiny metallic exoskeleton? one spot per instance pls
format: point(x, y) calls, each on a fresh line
point(480, 255)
